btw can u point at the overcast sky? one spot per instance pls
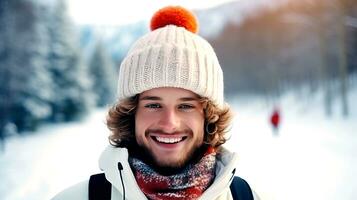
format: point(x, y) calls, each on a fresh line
point(114, 12)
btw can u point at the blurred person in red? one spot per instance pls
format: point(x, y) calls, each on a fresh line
point(275, 119)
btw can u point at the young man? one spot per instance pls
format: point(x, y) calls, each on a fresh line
point(169, 122)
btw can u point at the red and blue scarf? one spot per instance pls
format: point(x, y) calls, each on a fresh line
point(190, 183)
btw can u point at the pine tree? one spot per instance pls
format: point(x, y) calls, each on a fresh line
point(103, 75)
point(70, 75)
point(25, 82)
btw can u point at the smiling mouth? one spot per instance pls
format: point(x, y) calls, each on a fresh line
point(167, 140)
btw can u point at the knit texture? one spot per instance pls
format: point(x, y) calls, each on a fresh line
point(171, 56)
point(188, 184)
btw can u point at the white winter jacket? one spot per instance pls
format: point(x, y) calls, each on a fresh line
point(108, 162)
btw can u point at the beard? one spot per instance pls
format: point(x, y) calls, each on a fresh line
point(141, 152)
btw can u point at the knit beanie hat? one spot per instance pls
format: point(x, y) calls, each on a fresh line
point(172, 55)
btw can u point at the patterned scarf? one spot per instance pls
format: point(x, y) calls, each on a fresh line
point(190, 183)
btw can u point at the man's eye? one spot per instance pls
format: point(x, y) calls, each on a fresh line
point(153, 105)
point(186, 106)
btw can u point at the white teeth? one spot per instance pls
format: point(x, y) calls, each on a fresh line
point(168, 140)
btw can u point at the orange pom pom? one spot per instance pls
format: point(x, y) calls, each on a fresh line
point(174, 15)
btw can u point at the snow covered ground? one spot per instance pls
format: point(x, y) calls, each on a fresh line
point(312, 157)
point(37, 166)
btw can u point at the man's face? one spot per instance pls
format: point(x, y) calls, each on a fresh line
point(169, 125)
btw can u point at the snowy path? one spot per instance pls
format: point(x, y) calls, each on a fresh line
point(37, 166)
point(312, 158)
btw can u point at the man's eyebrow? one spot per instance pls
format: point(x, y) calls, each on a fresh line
point(189, 99)
point(150, 98)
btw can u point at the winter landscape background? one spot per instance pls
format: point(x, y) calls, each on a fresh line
point(312, 157)
point(58, 77)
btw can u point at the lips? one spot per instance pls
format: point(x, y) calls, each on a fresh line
point(168, 140)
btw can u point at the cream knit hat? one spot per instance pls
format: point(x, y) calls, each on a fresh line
point(172, 56)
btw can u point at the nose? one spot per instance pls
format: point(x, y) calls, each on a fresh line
point(169, 121)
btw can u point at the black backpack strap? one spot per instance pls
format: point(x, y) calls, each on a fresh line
point(240, 189)
point(99, 188)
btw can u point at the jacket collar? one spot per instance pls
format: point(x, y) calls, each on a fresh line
point(225, 169)
point(108, 162)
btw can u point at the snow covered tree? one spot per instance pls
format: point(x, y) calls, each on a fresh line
point(103, 75)
point(72, 87)
point(341, 10)
point(25, 84)
point(3, 70)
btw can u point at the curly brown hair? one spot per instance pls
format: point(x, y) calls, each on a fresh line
point(121, 122)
